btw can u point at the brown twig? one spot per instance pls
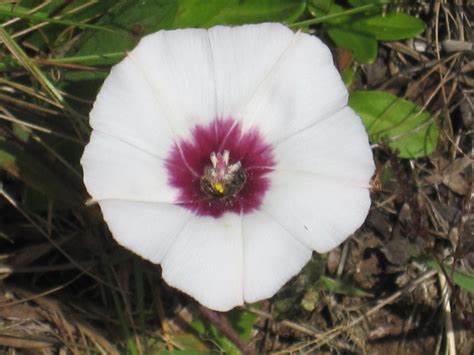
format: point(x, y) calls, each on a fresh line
point(223, 325)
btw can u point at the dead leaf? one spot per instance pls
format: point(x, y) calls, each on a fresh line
point(451, 175)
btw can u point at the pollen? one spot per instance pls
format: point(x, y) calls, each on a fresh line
point(222, 179)
point(218, 187)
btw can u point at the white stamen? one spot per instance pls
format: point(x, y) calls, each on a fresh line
point(213, 159)
point(234, 168)
point(226, 157)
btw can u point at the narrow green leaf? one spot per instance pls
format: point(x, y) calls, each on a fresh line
point(29, 65)
point(7, 11)
point(140, 292)
point(20, 163)
point(398, 122)
point(93, 59)
point(190, 343)
point(392, 27)
point(338, 15)
point(358, 29)
point(358, 3)
point(242, 322)
point(460, 278)
point(340, 287)
point(132, 347)
point(184, 352)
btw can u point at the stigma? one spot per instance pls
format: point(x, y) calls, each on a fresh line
point(222, 178)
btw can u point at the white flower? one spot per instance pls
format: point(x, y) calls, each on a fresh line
point(227, 155)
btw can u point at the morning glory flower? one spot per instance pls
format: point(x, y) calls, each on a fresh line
point(227, 156)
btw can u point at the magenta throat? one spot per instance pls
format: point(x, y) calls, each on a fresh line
point(221, 169)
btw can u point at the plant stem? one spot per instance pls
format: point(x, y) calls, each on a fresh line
point(223, 325)
point(322, 19)
point(33, 17)
point(94, 59)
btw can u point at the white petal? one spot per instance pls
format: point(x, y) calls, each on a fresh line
point(177, 67)
point(243, 57)
point(114, 169)
point(271, 256)
point(264, 76)
point(281, 82)
point(206, 261)
point(127, 109)
point(318, 211)
point(336, 148)
point(147, 229)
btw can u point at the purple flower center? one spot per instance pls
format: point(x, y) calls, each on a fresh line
point(220, 169)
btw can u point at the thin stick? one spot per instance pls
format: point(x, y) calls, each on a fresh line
point(223, 325)
point(321, 338)
point(448, 321)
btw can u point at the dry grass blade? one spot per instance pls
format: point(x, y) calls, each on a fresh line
point(32, 11)
point(14, 203)
point(43, 324)
point(323, 338)
point(28, 105)
point(30, 66)
point(56, 20)
point(17, 88)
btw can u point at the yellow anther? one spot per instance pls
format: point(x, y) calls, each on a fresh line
point(218, 187)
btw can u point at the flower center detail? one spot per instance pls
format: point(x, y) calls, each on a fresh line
point(222, 178)
point(220, 169)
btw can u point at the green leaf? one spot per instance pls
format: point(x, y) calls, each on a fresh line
point(337, 15)
point(20, 163)
point(20, 132)
point(340, 287)
point(319, 7)
point(18, 52)
point(197, 13)
point(363, 47)
point(358, 29)
point(398, 122)
point(190, 343)
point(209, 332)
point(55, 15)
point(460, 278)
point(286, 301)
point(392, 27)
point(183, 352)
point(130, 19)
point(310, 299)
point(358, 3)
point(11, 12)
point(347, 76)
point(242, 322)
